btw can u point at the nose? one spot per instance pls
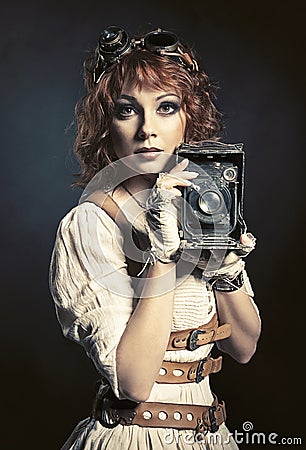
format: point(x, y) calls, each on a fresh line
point(147, 127)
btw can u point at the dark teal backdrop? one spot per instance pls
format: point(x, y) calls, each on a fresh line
point(255, 51)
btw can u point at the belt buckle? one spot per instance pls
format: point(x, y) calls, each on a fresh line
point(213, 422)
point(127, 416)
point(199, 376)
point(192, 340)
point(109, 418)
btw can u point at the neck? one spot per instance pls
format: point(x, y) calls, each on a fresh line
point(140, 182)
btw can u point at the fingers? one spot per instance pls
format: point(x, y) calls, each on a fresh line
point(180, 166)
point(248, 240)
point(179, 170)
point(176, 192)
point(177, 176)
point(184, 175)
point(181, 179)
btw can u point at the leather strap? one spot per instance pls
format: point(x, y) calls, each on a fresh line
point(111, 412)
point(135, 243)
point(172, 415)
point(191, 338)
point(106, 202)
point(188, 372)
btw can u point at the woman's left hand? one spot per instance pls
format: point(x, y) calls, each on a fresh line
point(216, 262)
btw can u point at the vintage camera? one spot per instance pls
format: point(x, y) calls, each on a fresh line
point(212, 208)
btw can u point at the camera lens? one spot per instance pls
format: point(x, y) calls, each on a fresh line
point(210, 202)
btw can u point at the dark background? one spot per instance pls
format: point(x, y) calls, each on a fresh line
point(256, 53)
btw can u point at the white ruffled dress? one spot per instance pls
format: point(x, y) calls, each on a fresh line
point(94, 299)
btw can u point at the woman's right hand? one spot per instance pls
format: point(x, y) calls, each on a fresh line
point(162, 213)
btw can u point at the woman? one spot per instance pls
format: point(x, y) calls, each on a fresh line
point(142, 308)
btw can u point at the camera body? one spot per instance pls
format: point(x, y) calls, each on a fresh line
point(212, 207)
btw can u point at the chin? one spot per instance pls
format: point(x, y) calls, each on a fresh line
point(151, 167)
point(140, 165)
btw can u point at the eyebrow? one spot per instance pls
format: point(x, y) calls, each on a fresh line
point(132, 98)
point(166, 95)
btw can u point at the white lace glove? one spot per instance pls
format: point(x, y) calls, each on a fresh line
point(223, 270)
point(161, 214)
point(219, 263)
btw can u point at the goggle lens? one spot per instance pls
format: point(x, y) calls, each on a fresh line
point(115, 42)
point(162, 40)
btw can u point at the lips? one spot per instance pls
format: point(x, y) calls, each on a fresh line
point(149, 154)
point(148, 150)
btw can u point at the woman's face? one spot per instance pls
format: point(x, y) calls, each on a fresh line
point(148, 125)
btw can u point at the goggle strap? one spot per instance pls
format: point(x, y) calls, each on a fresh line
point(194, 65)
point(191, 63)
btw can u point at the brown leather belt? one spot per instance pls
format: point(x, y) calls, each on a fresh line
point(111, 412)
point(188, 372)
point(191, 338)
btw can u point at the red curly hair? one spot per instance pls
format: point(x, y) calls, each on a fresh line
point(94, 112)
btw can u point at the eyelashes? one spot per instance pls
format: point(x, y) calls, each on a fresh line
point(169, 107)
point(124, 111)
point(127, 110)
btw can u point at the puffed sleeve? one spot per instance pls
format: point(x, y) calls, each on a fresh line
point(90, 285)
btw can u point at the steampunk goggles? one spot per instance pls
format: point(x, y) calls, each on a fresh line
point(114, 42)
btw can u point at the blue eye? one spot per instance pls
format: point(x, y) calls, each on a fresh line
point(124, 111)
point(169, 108)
